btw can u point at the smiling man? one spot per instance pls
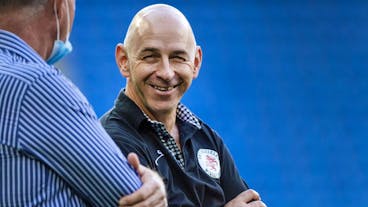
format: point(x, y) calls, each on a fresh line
point(159, 59)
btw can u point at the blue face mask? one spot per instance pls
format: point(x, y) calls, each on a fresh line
point(60, 48)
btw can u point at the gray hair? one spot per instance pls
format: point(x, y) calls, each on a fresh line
point(4, 4)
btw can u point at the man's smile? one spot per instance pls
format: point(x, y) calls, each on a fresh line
point(164, 88)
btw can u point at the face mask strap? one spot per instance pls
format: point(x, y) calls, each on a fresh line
point(57, 23)
point(68, 18)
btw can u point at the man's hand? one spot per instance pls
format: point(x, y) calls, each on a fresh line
point(152, 192)
point(248, 198)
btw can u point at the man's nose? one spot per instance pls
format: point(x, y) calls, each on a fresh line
point(165, 70)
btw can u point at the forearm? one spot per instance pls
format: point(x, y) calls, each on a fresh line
point(74, 145)
point(91, 165)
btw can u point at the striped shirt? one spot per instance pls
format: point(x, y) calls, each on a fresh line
point(53, 150)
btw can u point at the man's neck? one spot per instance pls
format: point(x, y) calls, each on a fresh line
point(168, 118)
point(30, 28)
point(169, 121)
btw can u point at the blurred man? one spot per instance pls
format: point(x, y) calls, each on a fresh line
point(53, 150)
point(159, 59)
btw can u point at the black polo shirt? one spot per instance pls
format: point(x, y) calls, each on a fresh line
point(209, 177)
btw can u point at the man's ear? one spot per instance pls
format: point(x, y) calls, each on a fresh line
point(63, 11)
point(197, 61)
point(58, 4)
point(121, 58)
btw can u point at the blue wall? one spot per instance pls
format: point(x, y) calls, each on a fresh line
point(285, 84)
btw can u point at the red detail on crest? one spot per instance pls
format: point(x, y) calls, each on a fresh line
point(211, 162)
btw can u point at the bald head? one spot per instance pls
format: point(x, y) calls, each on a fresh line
point(158, 19)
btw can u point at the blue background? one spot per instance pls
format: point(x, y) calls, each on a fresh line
point(285, 84)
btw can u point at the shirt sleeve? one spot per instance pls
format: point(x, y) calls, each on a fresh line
point(60, 128)
point(231, 181)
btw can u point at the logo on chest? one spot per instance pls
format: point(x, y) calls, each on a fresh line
point(160, 154)
point(209, 162)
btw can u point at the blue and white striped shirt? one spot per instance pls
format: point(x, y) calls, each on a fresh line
point(53, 150)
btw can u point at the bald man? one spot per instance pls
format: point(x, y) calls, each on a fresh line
point(159, 59)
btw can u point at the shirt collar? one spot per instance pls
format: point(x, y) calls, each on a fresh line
point(182, 113)
point(19, 48)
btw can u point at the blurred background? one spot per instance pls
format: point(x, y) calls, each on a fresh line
point(285, 84)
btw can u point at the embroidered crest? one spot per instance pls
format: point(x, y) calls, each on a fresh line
point(209, 162)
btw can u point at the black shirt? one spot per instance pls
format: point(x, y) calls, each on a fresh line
point(209, 177)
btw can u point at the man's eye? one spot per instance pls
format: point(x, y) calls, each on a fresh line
point(179, 58)
point(147, 57)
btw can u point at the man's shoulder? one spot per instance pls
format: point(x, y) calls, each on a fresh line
point(125, 116)
point(27, 73)
point(206, 128)
point(126, 135)
point(112, 118)
point(208, 136)
point(117, 125)
point(46, 85)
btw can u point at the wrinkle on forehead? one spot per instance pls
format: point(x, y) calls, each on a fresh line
point(159, 19)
